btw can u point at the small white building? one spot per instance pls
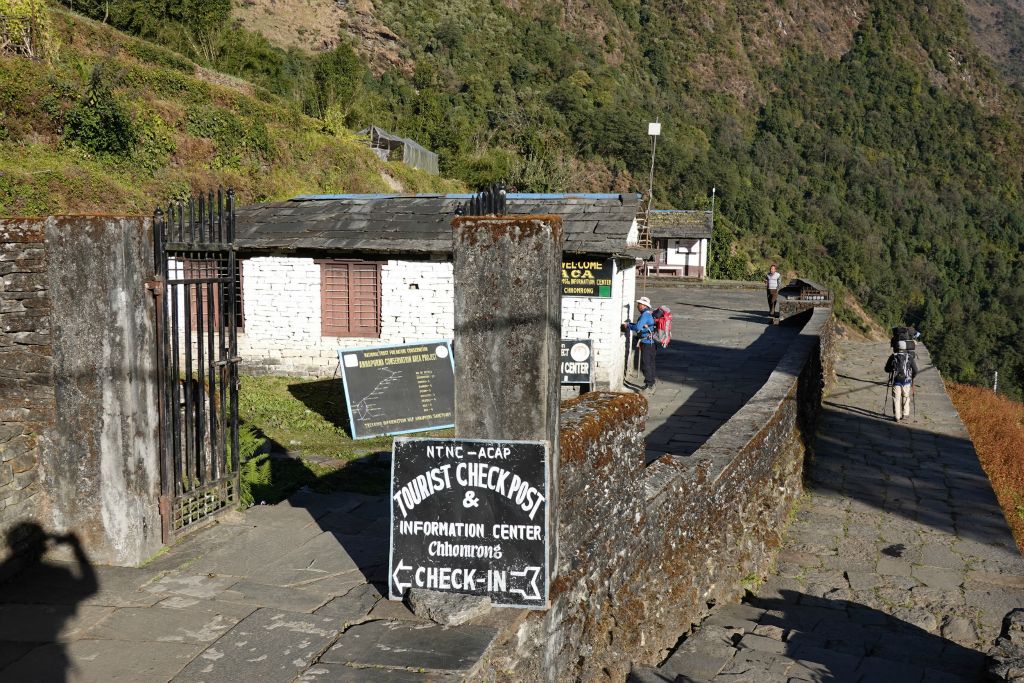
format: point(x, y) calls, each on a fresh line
point(682, 240)
point(346, 271)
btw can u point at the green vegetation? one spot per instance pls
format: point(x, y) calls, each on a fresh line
point(874, 149)
point(109, 123)
point(266, 479)
point(307, 418)
point(303, 415)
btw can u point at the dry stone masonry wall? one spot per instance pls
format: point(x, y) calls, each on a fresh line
point(644, 550)
point(78, 423)
point(26, 366)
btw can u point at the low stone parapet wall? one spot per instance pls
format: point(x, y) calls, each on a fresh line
point(643, 550)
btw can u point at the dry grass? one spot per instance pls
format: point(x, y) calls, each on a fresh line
point(996, 425)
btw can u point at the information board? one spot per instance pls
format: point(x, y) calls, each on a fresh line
point(399, 389)
point(470, 517)
point(576, 364)
point(589, 276)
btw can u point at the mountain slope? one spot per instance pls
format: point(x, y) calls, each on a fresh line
point(114, 124)
point(998, 28)
point(871, 144)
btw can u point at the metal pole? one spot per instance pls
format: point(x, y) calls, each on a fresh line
point(711, 234)
point(995, 383)
point(650, 180)
point(885, 397)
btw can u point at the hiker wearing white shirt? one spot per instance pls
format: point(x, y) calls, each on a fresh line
point(772, 280)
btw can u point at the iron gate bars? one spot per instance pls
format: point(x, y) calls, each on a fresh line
point(197, 294)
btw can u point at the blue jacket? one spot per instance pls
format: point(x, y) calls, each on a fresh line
point(645, 326)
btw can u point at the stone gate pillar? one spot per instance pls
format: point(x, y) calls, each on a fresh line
point(508, 321)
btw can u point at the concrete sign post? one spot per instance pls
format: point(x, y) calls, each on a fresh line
point(508, 320)
point(470, 517)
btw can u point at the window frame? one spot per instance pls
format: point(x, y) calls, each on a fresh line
point(329, 326)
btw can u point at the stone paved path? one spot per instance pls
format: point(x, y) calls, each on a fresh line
point(723, 349)
point(289, 592)
point(898, 565)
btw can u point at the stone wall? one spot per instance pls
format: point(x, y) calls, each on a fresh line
point(26, 366)
point(281, 307)
point(78, 416)
point(644, 550)
point(281, 303)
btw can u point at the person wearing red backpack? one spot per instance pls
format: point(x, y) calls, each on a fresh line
point(645, 328)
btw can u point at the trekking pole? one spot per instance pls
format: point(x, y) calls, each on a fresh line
point(913, 400)
point(885, 396)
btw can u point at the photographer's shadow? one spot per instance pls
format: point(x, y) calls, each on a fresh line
point(37, 628)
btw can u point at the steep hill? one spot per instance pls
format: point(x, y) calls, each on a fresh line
point(998, 28)
point(110, 123)
point(871, 144)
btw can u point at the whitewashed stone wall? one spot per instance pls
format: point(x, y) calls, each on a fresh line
point(691, 253)
point(600, 320)
point(281, 302)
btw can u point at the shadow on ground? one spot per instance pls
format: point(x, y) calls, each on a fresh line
point(702, 385)
point(325, 397)
point(48, 596)
point(794, 636)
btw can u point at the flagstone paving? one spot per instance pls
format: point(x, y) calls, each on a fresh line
point(898, 565)
point(723, 349)
point(278, 593)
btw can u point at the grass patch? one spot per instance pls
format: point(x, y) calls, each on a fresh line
point(269, 479)
point(996, 426)
point(308, 420)
point(303, 415)
point(188, 134)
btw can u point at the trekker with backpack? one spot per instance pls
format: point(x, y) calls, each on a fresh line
point(646, 328)
point(902, 369)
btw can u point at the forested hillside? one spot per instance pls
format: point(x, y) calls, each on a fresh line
point(99, 121)
point(871, 144)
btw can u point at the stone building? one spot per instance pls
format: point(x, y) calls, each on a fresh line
point(682, 240)
point(345, 271)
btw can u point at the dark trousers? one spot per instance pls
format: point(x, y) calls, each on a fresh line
point(647, 355)
point(773, 297)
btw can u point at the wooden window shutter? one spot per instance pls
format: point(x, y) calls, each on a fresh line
point(350, 298)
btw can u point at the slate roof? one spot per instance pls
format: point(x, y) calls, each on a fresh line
point(680, 225)
point(421, 224)
point(796, 285)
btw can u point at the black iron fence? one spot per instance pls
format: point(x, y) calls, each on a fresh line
point(197, 291)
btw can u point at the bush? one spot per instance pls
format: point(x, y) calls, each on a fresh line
point(99, 122)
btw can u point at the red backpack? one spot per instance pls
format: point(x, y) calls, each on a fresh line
point(663, 325)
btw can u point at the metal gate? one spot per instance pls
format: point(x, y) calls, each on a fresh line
point(197, 291)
